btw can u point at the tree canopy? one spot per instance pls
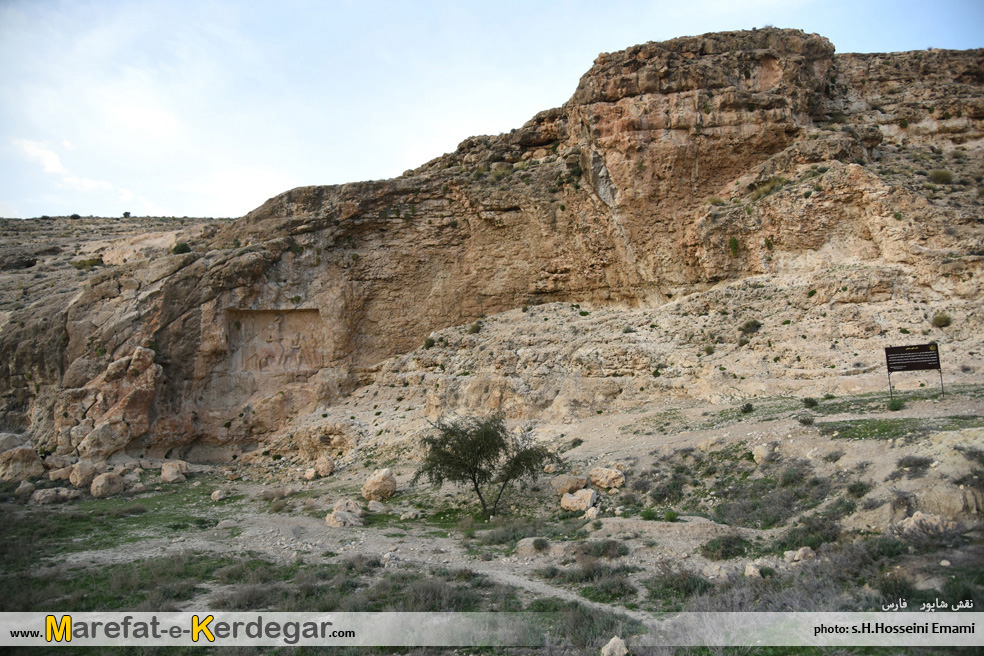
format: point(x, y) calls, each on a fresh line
point(483, 453)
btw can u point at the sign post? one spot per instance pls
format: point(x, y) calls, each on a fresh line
point(918, 357)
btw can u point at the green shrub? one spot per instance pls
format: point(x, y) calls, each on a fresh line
point(725, 547)
point(709, 350)
point(540, 544)
point(942, 320)
point(896, 404)
point(805, 420)
point(747, 408)
point(939, 176)
point(475, 328)
point(811, 532)
point(671, 516)
point(811, 293)
point(717, 201)
point(733, 246)
point(810, 402)
point(429, 342)
point(649, 514)
point(181, 247)
point(750, 326)
point(858, 489)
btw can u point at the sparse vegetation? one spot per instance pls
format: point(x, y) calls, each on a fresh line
point(751, 326)
point(180, 248)
point(942, 320)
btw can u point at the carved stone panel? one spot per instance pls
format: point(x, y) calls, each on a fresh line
point(275, 341)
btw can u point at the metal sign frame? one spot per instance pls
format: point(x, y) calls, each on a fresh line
point(916, 357)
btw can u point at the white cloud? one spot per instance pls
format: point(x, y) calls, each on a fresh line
point(51, 163)
point(39, 153)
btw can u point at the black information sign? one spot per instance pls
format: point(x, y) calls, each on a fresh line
point(913, 358)
point(918, 357)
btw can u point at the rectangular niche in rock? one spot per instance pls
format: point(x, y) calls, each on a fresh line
point(275, 341)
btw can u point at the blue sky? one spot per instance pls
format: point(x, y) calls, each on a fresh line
point(198, 108)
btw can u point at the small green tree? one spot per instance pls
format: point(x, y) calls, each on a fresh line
point(481, 453)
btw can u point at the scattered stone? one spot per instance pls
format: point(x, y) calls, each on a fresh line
point(550, 468)
point(804, 553)
point(413, 513)
point(44, 497)
point(324, 466)
point(709, 444)
point(174, 471)
point(752, 571)
point(566, 484)
point(615, 647)
point(20, 463)
point(380, 486)
point(25, 489)
point(82, 474)
point(799, 555)
point(921, 522)
point(226, 524)
point(944, 563)
point(342, 519)
point(580, 500)
point(139, 488)
point(107, 485)
point(60, 474)
point(55, 461)
point(763, 453)
point(591, 513)
point(349, 506)
point(607, 478)
point(377, 507)
point(310, 474)
point(219, 495)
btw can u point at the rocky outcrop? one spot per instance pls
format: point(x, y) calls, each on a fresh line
point(380, 486)
point(605, 477)
point(107, 485)
point(580, 500)
point(674, 167)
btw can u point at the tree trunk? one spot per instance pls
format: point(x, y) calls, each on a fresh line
point(478, 491)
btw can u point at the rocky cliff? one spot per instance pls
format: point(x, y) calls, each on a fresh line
point(686, 187)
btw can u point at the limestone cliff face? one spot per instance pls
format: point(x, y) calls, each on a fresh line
point(674, 166)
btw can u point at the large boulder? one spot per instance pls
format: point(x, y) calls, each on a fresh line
point(82, 474)
point(324, 466)
point(107, 485)
point(567, 484)
point(349, 506)
point(44, 497)
point(615, 647)
point(580, 500)
point(54, 495)
point(607, 478)
point(62, 474)
point(25, 489)
point(342, 519)
point(19, 464)
point(380, 486)
point(173, 471)
point(10, 441)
